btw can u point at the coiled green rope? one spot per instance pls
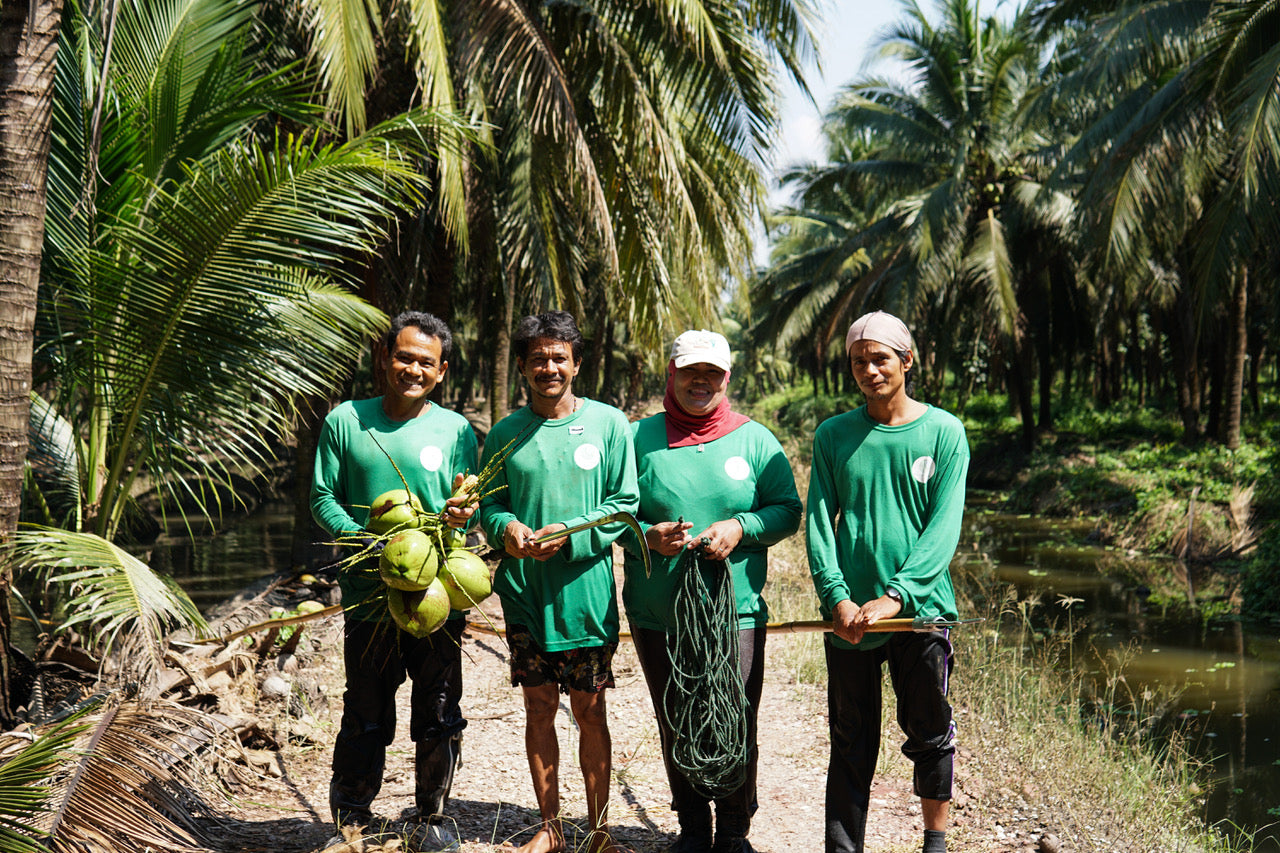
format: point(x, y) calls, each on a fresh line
point(705, 701)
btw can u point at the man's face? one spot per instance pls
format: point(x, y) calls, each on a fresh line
point(879, 372)
point(414, 364)
point(699, 388)
point(549, 368)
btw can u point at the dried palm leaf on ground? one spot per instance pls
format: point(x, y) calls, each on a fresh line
point(134, 784)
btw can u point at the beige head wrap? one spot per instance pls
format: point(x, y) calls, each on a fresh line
point(880, 327)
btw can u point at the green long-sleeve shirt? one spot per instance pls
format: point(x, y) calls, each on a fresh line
point(570, 470)
point(885, 509)
point(743, 475)
point(354, 465)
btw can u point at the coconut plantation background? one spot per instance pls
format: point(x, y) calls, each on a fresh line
point(211, 208)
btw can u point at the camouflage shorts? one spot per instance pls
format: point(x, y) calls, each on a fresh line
point(588, 669)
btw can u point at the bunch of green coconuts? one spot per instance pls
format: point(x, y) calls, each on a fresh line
point(426, 565)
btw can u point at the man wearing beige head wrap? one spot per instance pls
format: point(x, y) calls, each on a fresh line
point(886, 499)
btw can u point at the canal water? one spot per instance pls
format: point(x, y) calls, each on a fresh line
point(1216, 683)
point(1220, 678)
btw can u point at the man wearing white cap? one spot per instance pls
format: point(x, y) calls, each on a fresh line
point(714, 480)
point(886, 499)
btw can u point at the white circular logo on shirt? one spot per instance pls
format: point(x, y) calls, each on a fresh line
point(587, 456)
point(923, 468)
point(431, 457)
point(737, 468)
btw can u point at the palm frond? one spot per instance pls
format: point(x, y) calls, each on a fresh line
point(28, 761)
point(135, 784)
point(114, 597)
point(344, 34)
point(54, 460)
point(988, 263)
point(228, 236)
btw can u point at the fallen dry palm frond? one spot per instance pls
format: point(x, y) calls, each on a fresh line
point(26, 763)
point(130, 784)
point(1244, 536)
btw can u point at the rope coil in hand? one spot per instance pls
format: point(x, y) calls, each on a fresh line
point(705, 701)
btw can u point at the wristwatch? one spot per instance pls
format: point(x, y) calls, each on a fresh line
point(894, 594)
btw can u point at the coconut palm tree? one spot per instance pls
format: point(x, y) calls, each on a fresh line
point(628, 143)
point(28, 35)
point(1194, 140)
point(942, 167)
point(194, 285)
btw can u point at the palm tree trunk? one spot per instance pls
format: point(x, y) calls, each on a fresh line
point(500, 356)
point(1020, 388)
point(28, 45)
point(1236, 359)
point(1186, 346)
point(1045, 421)
point(307, 549)
point(1216, 358)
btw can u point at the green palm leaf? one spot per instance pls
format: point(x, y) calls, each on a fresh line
point(113, 597)
point(26, 769)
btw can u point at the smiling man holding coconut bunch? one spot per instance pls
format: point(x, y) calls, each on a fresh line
point(361, 446)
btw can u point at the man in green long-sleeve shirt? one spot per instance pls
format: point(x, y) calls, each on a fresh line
point(886, 501)
point(365, 448)
point(569, 460)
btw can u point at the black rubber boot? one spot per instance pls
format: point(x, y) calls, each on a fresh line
point(732, 825)
point(731, 843)
point(351, 798)
point(435, 761)
point(695, 830)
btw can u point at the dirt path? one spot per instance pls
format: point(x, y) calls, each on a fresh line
point(492, 800)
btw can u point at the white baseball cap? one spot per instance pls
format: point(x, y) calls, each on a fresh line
point(700, 345)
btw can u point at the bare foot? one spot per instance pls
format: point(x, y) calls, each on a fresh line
point(549, 839)
point(599, 841)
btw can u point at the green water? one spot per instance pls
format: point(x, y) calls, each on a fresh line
point(1215, 682)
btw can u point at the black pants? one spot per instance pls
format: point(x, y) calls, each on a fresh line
point(734, 811)
point(919, 669)
point(378, 657)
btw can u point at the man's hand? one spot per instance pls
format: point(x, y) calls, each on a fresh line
point(850, 622)
point(458, 510)
point(545, 550)
point(668, 537)
point(515, 537)
point(721, 538)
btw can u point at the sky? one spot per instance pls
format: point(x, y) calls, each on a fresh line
point(845, 36)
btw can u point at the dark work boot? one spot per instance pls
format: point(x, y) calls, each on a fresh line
point(695, 830)
point(435, 760)
point(732, 826)
point(350, 798)
point(731, 842)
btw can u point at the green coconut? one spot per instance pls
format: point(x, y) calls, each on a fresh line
point(393, 510)
point(419, 612)
point(466, 578)
point(409, 561)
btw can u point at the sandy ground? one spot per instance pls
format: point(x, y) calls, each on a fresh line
point(492, 801)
